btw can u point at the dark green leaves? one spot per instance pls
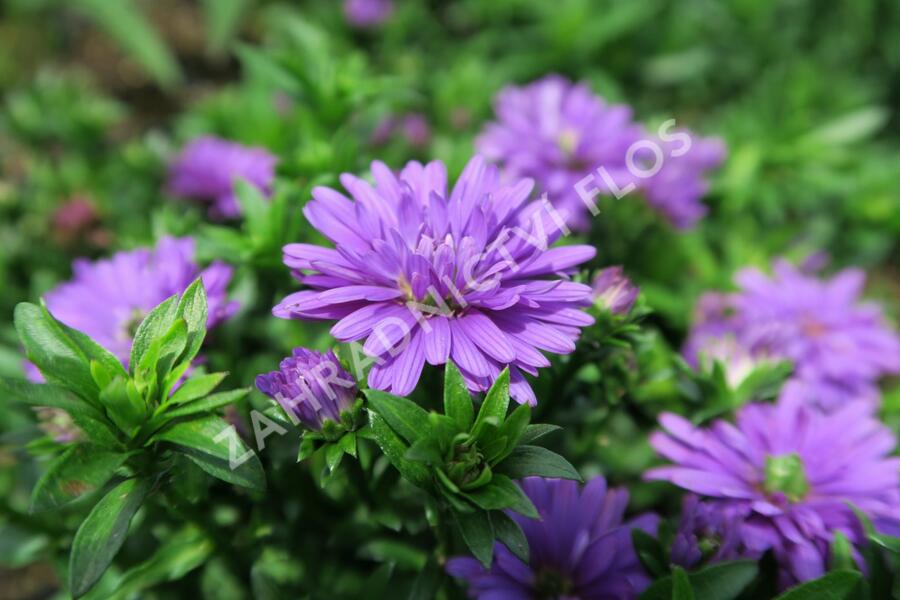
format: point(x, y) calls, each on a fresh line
point(404, 416)
point(837, 585)
point(478, 533)
point(528, 461)
point(80, 470)
point(215, 447)
point(722, 581)
point(102, 534)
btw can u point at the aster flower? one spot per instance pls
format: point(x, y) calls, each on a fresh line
point(422, 275)
point(557, 133)
point(838, 345)
point(792, 471)
point(108, 299)
point(207, 168)
point(312, 387)
point(614, 291)
point(676, 189)
point(560, 133)
point(708, 531)
point(580, 547)
point(367, 13)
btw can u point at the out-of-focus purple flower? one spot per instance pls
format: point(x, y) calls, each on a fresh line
point(57, 423)
point(792, 470)
point(311, 387)
point(580, 547)
point(424, 274)
point(709, 532)
point(676, 189)
point(413, 127)
point(207, 169)
point(614, 291)
point(558, 133)
point(367, 13)
point(107, 299)
point(838, 345)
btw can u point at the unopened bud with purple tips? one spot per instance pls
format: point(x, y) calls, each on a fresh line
point(613, 291)
point(312, 388)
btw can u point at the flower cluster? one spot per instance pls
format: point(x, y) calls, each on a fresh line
point(783, 478)
point(424, 274)
point(579, 548)
point(207, 168)
point(559, 133)
point(109, 298)
point(839, 346)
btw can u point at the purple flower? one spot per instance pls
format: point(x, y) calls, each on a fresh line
point(614, 291)
point(311, 387)
point(107, 299)
point(367, 13)
point(790, 473)
point(207, 168)
point(577, 146)
point(676, 188)
point(558, 133)
point(580, 547)
point(413, 127)
point(426, 275)
point(839, 346)
point(709, 531)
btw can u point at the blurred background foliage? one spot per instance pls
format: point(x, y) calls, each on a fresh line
point(98, 95)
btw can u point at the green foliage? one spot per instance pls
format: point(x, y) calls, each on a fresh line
point(471, 459)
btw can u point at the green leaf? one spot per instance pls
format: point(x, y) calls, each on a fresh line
point(537, 431)
point(193, 308)
point(404, 416)
point(510, 533)
point(681, 585)
point(223, 17)
point(123, 21)
point(721, 581)
point(478, 533)
point(102, 534)
point(170, 348)
point(208, 404)
point(837, 585)
point(95, 352)
point(502, 493)
point(49, 395)
point(512, 430)
point(333, 456)
point(128, 411)
point(649, 551)
point(495, 404)
point(180, 554)
point(57, 356)
point(842, 553)
point(157, 322)
point(457, 399)
point(214, 445)
point(77, 472)
point(196, 387)
point(394, 448)
point(425, 450)
point(528, 461)
point(889, 543)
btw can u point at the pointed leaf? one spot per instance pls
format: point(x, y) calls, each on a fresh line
point(837, 585)
point(157, 322)
point(404, 416)
point(495, 404)
point(537, 431)
point(102, 534)
point(193, 308)
point(457, 399)
point(721, 581)
point(528, 461)
point(681, 585)
point(510, 533)
point(394, 448)
point(502, 493)
point(209, 404)
point(196, 387)
point(214, 445)
point(77, 472)
point(478, 533)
